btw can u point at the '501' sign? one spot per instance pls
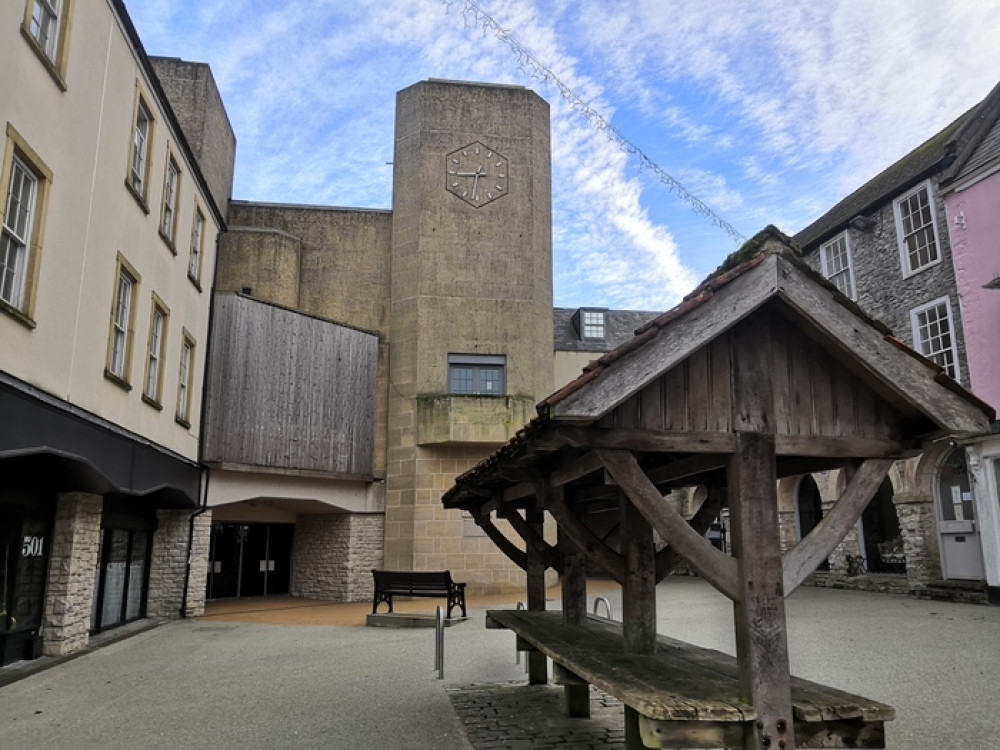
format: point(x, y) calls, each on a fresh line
point(33, 546)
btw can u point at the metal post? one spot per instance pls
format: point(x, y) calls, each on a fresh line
point(439, 644)
point(517, 651)
point(598, 600)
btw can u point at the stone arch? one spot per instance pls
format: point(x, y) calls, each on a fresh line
point(881, 533)
point(808, 509)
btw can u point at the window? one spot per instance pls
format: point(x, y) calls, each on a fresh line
point(142, 132)
point(592, 324)
point(23, 188)
point(154, 352)
point(45, 27)
point(476, 374)
point(122, 312)
point(168, 211)
point(197, 237)
point(18, 217)
point(933, 334)
point(837, 264)
point(916, 225)
point(184, 380)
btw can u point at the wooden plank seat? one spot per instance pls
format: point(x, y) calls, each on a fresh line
point(686, 696)
point(431, 583)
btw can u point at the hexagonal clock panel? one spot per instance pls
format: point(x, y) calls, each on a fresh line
point(477, 174)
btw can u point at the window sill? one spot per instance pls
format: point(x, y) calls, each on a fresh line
point(152, 402)
point(50, 66)
point(907, 274)
point(195, 283)
point(182, 422)
point(168, 241)
point(139, 198)
point(117, 380)
point(18, 315)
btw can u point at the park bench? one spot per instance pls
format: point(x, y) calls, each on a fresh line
point(431, 583)
point(685, 696)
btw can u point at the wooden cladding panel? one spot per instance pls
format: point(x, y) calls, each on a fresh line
point(289, 391)
point(813, 393)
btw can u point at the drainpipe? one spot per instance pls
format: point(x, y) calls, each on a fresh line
point(205, 471)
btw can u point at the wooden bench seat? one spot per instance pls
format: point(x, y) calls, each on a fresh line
point(687, 696)
point(433, 583)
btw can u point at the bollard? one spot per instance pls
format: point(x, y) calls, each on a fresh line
point(439, 644)
point(517, 651)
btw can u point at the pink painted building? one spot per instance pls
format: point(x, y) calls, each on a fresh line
point(972, 205)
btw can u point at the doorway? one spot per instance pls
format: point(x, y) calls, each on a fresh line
point(25, 531)
point(961, 552)
point(809, 510)
point(881, 538)
point(250, 559)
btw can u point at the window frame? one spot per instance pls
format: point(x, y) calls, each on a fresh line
point(17, 151)
point(824, 255)
point(55, 59)
point(478, 363)
point(198, 224)
point(918, 341)
point(126, 328)
point(156, 347)
point(901, 236)
point(141, 191)
point(185, 379)
point(170, 200)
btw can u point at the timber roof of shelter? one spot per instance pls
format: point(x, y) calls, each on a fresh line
point(945, 153)
point(738, 265)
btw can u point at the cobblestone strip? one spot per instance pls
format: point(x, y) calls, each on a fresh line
point(518, 716)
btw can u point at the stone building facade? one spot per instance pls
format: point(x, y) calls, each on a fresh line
point(889, 247)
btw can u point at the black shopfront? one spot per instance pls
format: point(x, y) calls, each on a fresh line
point(48, 449)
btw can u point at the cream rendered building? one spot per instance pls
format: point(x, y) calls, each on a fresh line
point(107, 258)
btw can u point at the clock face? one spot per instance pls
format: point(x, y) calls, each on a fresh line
point(477, 174)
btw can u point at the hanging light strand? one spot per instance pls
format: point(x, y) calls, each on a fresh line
point(476, 17)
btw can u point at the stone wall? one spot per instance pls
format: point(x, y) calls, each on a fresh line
point(73, 559)
point(198, 572)
point(334, 554)
point(168, 564)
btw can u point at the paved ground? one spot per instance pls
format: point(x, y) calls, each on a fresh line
point(226, 682)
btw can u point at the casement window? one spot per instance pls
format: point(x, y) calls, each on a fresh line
point(934, 334)
point(46, 23)
point(122, 318)
point(184, 380)
point(155, 352)
point(197, 240)
point(168, 209)
point(477, 374)
point(916, 228)
point(142, 138)
point(838, 265)
point(24, 181)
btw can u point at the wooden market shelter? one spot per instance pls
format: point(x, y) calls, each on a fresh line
point(765, 371)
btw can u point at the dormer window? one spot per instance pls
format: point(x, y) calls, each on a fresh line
point(590, 324)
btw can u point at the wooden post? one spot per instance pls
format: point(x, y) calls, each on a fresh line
point(638, 598)
point(538, 667)
point(759, 611)
point(574, 609)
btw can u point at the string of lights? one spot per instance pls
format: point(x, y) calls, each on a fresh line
point(476, 17)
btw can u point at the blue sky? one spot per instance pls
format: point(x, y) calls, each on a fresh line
point(768, 112)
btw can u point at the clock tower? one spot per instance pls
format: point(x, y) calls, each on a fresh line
point(470, 328)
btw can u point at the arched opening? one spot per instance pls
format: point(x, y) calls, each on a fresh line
point(881, 536)
point(809, 510)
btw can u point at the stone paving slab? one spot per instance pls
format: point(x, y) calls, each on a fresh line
point(518, 716)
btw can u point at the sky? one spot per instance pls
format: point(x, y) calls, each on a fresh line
point(678, 126)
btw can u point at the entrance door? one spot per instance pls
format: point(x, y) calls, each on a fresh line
point(24, 541)
point(961, 552)
point(249, 560)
